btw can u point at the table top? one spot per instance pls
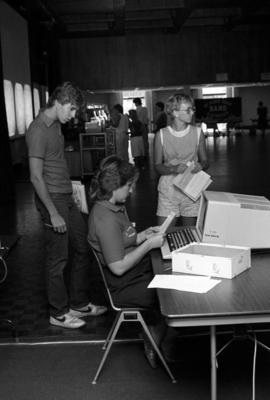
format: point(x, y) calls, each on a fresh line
point(243, 299)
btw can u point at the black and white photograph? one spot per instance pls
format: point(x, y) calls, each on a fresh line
point(134, 199)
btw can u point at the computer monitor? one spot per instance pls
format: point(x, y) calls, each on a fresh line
point(235, 219)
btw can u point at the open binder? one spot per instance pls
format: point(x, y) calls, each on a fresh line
point(192, 184)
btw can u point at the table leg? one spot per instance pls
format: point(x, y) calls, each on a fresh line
point(213, 363)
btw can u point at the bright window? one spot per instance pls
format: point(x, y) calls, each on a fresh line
point(36, 101)
point(28, 107)
point(218, 92)
point(10, 107)
point(128, 97)
point(19, 108)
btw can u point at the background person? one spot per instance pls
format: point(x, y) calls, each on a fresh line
point(174, 146)
point(136, 139)
point(61, 218)
point(121, 124)
point(262, 112)
point(161, 117)
point(143, 117)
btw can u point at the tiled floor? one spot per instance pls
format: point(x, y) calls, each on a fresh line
point(237, 164)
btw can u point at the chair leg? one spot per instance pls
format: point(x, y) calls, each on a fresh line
point(111, 330)
point(110, 342)
point(146, 330)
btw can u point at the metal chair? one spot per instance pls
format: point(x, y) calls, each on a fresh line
point(124, 314)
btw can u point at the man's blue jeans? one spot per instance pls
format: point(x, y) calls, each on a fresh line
point(57, 256)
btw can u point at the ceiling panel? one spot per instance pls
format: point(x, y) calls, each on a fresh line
point(80, 18)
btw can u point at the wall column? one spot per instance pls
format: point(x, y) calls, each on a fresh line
point(7, 192)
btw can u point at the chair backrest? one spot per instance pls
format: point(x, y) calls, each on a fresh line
point(104, 279)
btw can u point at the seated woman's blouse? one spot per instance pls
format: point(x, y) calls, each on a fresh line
point(110, 232)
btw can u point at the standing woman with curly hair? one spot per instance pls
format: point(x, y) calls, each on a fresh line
point(175, 147)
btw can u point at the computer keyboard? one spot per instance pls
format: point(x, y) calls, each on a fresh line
point(180, 238)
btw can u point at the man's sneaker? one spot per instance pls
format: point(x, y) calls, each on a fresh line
point(90, 309)
point(67, 321)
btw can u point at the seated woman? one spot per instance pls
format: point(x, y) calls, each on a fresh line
point(123, 251)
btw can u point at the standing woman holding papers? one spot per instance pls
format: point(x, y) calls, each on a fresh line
point(176, 147)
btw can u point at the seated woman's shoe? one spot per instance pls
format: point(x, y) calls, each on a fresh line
point(149, 351)
point(151, 356)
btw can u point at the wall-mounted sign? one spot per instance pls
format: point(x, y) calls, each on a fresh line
point(218, 110)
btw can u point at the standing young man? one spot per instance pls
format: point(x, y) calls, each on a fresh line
point(61, 218)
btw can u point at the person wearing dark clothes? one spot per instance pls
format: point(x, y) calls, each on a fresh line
point(262, 112)
point(161, 117)
point(136, 139)
point(142, 113)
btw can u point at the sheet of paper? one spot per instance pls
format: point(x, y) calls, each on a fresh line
point(186, 283)
point(166, 224)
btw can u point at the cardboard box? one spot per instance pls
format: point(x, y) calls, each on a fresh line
point(211, 259)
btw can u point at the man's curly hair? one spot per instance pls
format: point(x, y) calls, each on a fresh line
point(67, 93)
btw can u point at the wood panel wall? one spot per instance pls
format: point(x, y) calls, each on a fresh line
point(192, 57)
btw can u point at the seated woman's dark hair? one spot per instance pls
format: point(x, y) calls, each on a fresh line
point(112, 174)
